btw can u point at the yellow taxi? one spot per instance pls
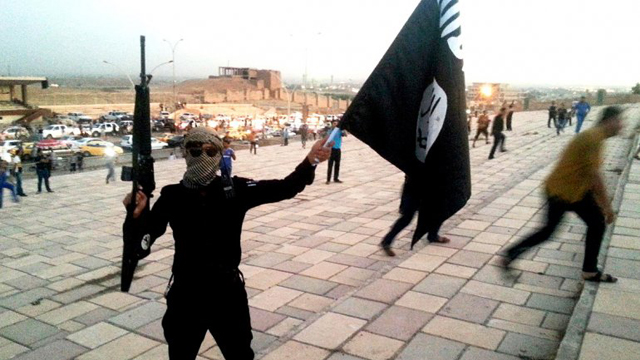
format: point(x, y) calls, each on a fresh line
point(27, 151)
point(100, 148)
point(165, 137)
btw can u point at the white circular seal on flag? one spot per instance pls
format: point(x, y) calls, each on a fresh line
point(146, 242)
point(433, 110)
point(450, 22)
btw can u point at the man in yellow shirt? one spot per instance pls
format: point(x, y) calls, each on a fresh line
point(577, 185)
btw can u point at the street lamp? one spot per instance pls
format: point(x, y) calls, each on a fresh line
point(122, 71)
point(288, 95)
point(164, 63)
point(173, 61)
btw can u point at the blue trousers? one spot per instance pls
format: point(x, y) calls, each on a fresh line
point(580, 119)
point(5, 185)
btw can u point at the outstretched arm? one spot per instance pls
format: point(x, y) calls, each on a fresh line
point(255, 193)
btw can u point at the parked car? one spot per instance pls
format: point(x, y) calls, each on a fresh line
point(79, 117)
point(165, 137)
point(126, 125)
point(106, 128)
point(99, 148)
point(175, 141)
point(76, 144)
point(70, 140)
point(126, 142)
point(58, 131)
point(10, 145)
point(188, 116)
point(157, 144)
point(164, 114)
point(27, 150)
point(51, 144)
point(15, 132)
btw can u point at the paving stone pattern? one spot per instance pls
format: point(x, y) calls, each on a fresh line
point(319, 287)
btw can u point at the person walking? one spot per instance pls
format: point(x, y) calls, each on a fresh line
point(285, 135)
point(16, 171)
point(253, 143)
point(409, 205)
point(582, 110)
point(576, 184)
point(496, 131)
point(111, 167)
point(553, 113)
point(228, 156)
point(79, 160)
point(207, 291)
point(336, 154)
point(304, 133)
point(510, 115)
point(5, 184)
point(482, 127)
point(562, 119)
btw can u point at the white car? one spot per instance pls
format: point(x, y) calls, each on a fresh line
point(58, 131)
point(188, 116)
point(127, 143)
point(164, 114)
point(75, 144)
point(15, 132)
point(79, 117)
point(157, 144)
point(106, 128)
point(9, 145)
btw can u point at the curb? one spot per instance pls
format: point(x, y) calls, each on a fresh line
point(572, 341)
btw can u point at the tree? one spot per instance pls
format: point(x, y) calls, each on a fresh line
point(636, 89)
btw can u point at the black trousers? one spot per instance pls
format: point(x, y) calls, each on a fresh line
point(479, 132)
point(402, 222)
point(334, 160)
point(509, 120)
point(551, 117)
point(498, 139)
point(223, 311)
point(43, 174)
point(588, 210)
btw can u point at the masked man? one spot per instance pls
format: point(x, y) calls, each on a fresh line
point(206, 212)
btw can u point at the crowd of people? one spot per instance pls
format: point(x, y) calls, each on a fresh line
point(208, 185)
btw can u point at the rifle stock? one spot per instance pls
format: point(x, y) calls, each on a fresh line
point(135, 236)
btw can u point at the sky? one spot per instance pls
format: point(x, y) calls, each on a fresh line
point(525, 42)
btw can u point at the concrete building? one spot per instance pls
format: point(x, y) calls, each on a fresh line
point(492, 93)
point(14, 101)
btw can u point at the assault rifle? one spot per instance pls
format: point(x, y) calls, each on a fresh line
point(137, 241)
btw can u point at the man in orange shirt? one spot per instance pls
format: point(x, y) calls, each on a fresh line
point(577, 185)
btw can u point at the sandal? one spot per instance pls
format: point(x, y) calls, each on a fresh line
point(600, 277)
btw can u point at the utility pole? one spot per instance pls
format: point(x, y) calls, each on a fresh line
point(173, 61)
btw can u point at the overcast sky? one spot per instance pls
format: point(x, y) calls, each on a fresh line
point(541, 42)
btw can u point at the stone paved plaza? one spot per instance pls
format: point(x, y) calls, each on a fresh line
point(319, 287)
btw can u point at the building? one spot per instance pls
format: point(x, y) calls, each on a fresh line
point(492, 94)
point(14, 102)
point(261, 79)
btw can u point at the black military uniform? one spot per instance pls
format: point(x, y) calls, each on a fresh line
point(498, 136)
point(208, 289)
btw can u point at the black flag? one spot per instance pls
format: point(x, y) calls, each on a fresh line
point(412, 111)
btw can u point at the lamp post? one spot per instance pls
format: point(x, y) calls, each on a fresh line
point(164, 63)
point(289, 95)
point(173, 61)
point(122, 71)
